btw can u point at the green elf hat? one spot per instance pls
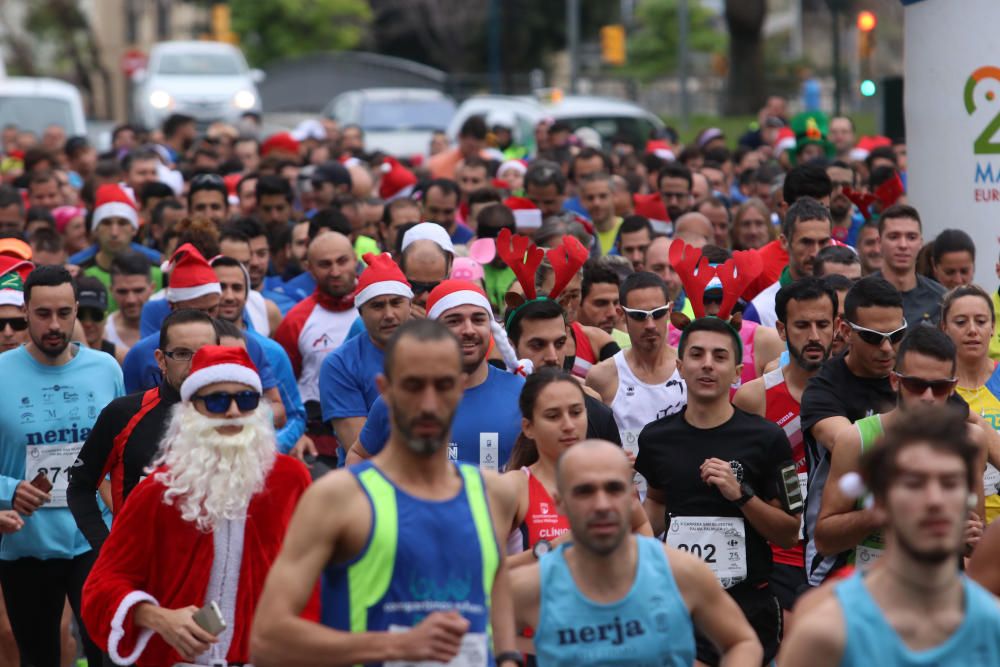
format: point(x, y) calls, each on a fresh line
point(811, 127)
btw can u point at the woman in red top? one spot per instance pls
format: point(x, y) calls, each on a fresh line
point(554, 417)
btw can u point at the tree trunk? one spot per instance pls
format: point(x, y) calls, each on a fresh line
point(745, 19)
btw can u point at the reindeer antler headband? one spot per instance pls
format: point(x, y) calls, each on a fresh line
point(524, 258)
point(695, 272)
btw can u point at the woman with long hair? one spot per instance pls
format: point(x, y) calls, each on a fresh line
point(554, 418)
point(967, 317)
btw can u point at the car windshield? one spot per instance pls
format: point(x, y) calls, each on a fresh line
point(406, 115)
point(199, 64)
point(34, 114)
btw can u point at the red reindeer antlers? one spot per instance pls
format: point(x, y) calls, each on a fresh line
point(696, 273)
point(522, 256)
point(566, 259)
point(736, 274)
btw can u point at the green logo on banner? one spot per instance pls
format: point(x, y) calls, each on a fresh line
point(984, 144)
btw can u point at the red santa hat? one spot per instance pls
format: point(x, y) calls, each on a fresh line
point(111, 201)
point(660, 149)
point(785, 141)
point(452, 293)
point(381, 277)
point(217, 363)
point(517, 165)
point(526, 214)
point(397, 180)
point(282, 142)
point(191, 276)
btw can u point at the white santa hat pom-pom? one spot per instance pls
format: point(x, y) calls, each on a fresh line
point(851, 485)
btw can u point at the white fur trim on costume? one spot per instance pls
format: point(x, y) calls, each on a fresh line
point(175, 294)
point(118, 628)
point(11, 297)
point(460, 298)
point(382, 288)
point(508, 353)
point(405, 192)
point(219, 373)
point(116, 209)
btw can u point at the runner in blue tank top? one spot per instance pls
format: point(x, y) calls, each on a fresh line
point(611, 598)
point(914, 608)
point(405, 542)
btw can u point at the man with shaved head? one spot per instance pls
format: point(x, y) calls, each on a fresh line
point(695, 229)
point(583, 599)
point(318, 325)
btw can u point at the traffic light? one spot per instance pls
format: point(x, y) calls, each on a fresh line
point(613, 44)
point(866, 36)
point(868, 88)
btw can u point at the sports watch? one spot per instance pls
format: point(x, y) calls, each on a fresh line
point(541, 548)
point(747, 493)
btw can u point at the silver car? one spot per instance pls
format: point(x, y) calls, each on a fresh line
point(207, 80)
point(398, 121)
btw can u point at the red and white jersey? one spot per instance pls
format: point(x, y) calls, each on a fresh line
point(308, 333)
point(783, 410)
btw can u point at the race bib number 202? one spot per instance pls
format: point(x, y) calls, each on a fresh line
point(720, 542)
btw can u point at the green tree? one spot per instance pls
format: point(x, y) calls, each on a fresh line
point(653, 47)
point(270, 30)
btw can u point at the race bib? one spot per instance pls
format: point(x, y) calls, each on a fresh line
point(473, 652)
point(991, 480)
point(489, 451)
point(630, 443)
point(55, 461)
point(720, 542)
point(865, 556)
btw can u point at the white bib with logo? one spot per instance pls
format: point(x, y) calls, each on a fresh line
point(720, 542)
point(55, 461)
point(472, 652)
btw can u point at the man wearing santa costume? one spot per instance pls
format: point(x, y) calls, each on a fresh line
point(204, 527)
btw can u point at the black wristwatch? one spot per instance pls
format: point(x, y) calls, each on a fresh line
point(510, 656)
point(541, 548)
point(747, 492)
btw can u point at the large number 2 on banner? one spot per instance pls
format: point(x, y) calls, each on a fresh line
point(984, 144)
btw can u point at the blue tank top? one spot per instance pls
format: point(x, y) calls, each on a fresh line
point(649, 627)
point(871, 640)
point(422, 556)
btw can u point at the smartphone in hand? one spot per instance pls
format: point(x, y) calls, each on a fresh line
point(209, 618)
point(42, 483)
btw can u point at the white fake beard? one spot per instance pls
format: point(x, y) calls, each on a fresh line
point(211, 477)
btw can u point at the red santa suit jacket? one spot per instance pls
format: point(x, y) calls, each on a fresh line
point(153, 555)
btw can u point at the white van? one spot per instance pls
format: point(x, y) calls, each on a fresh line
point(34, 104)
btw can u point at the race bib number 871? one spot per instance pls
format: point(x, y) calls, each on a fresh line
point(55, 461)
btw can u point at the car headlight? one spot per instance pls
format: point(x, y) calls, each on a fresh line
point(244, 100)
point(160, 99)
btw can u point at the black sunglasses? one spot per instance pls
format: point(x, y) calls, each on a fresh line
point(202, 180)
point(90, 315)
point(420, 287)
point(643, 315)
point(876, 338)
point(219, 402)
point(15, 323)
point(918, 386)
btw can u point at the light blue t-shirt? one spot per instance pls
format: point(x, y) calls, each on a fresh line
point(347, 379)
point(44, 411)
point(486, 425)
